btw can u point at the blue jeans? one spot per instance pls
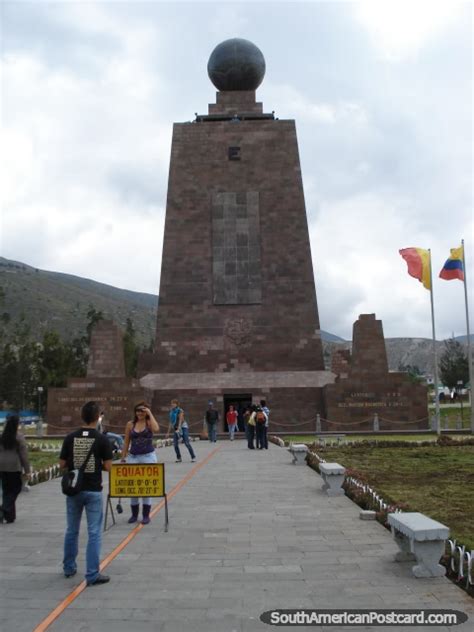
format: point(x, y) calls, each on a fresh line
point(92, 503)
point(185, 434)
point(212, 432)
point(149, 457)
point(260, 434)
point(250, 436)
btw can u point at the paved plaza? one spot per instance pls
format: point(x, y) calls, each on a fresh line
point(249, 532)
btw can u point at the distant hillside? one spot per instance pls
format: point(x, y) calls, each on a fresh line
point(52, 300)
point(403, 352)
point(327, 337)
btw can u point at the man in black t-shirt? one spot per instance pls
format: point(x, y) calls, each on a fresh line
point(74, 451)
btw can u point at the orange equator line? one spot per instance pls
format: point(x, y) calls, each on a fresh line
point(67, 601)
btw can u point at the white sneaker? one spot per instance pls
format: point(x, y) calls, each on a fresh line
point(178, 461)
point(193, 460)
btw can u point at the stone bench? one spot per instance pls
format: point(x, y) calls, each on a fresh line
point(323, 439)
point(419, 538)
point(299, 451)
point(333, 476)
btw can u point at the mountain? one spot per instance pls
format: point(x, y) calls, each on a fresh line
point(414, 352)
point(52, 300)
point(327, 337)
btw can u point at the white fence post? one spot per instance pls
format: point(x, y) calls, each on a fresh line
point(376, 423)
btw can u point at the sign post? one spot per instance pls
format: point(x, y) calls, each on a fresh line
point(136, 480)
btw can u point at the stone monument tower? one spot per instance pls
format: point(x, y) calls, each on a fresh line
point(237, 316)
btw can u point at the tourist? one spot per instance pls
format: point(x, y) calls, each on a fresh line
point(251, 427)
point(138, 448)
point(116, 440)
point(100, 422)
point(245, 417)
point(212, 419)
point(260, 421)
point(231, 419)
point(266, 410)
point(75, 450)
point(13, 459)
point(180, 429)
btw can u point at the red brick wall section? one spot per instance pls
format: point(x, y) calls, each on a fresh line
point(106, 357)
point(290, 408)
point(193, 334)
point(116, 396)
point(341, 362)
point(370, 388)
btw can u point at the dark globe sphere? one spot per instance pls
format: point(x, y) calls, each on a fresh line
point(236, 64)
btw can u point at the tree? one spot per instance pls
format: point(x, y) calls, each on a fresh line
point(130, 350)
point(19, 368)
point(413, 371)
point(453, 364)
point(5, 318)
point(94, 316)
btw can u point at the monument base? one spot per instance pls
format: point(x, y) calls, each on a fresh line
point(116, 397)
point(294, 397)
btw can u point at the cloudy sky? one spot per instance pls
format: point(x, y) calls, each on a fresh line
point(382, 96)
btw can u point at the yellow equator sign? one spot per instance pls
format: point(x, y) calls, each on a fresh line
point(136, 480)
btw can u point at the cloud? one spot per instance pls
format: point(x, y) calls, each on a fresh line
point(383, 110)
point(71, 184)
point(400, 28)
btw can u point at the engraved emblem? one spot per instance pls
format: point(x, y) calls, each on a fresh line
point(238, 330)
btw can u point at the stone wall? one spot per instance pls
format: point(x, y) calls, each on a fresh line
point(116, 396)
point(106, 357)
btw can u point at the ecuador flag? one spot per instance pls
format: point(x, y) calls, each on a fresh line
point(419, 264)
point(454, 266)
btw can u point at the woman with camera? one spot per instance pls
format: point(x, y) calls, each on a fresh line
point(138, 448)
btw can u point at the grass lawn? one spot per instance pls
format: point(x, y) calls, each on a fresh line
point(435, 480)
point(44, 441)
point(376, 437)
point(40, 460)
point(452, 415)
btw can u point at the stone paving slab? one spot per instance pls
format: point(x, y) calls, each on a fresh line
point(249, 532)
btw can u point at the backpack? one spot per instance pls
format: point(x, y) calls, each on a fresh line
point(72, 481)
point(260, 417)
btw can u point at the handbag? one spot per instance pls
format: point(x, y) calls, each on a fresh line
point(72, 480)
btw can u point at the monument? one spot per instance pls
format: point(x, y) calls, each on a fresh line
point(106, 383)
point(365, 387)
point(237, 317)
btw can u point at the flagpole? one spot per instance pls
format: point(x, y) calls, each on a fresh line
point(435, 355)
point(469, 348)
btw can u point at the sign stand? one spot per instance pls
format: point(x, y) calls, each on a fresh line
point(166, 514)
point(109, 504)
point(135, 480)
